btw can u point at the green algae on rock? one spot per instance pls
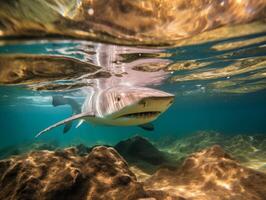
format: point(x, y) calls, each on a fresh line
point(249, 150)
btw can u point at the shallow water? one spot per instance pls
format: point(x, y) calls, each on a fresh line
point(211, 55)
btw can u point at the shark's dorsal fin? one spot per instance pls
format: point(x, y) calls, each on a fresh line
point(70, 119)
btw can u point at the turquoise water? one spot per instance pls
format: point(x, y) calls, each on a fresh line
point(217, 89)
point(173, 94)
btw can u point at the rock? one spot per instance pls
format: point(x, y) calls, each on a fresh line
point(101, 173)
point(63, 174)
point(179, 148)
point(82, 150)
point(245, 148)
point(210, 174)
point(263, 168)
point(139, 148)
point(52, 145)
point(196, 142)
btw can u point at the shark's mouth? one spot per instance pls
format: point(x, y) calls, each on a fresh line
point(149, 114)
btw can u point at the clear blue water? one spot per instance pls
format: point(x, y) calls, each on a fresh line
point(221, 90)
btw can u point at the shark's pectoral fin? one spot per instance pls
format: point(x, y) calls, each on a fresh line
point(67, 127)
point(65, 121)
point(147, 127)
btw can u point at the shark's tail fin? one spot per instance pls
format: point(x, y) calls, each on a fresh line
point(76, 108)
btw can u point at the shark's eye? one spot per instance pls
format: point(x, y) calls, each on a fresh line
point(118, 98)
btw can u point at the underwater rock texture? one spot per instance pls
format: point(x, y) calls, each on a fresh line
point(143, 157)
point(249, 150)
point(210, 174)
point(102, 174)
point(138, 148)
point(190, 144)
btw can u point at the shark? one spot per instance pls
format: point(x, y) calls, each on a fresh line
point(116, 106)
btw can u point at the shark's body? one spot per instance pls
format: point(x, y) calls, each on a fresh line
point(119, 106)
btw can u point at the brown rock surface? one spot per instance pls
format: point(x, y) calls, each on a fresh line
point(143, 157)
point(249, 150)
point(210, 174)
point(138, 148)
point(101, 174)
